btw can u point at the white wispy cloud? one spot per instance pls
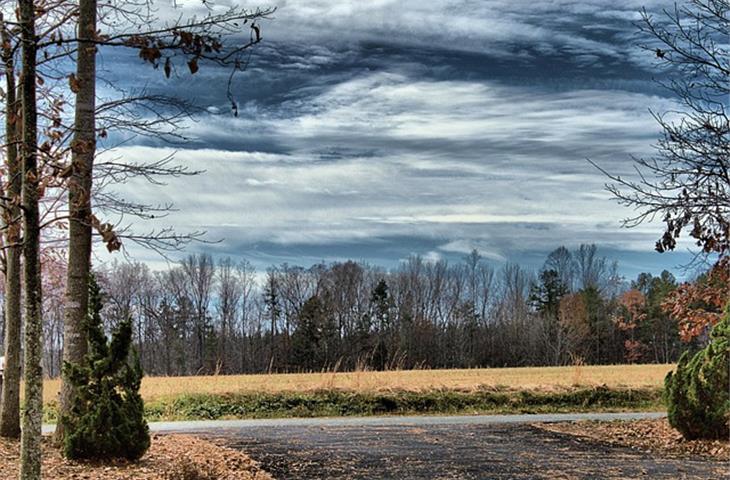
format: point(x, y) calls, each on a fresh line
point(469, 164)
point(377, 129)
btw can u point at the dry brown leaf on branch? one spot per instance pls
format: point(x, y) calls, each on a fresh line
point(73, 83)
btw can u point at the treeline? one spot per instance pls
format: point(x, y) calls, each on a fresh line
point(202, 316)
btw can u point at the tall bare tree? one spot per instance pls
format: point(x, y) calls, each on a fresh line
point(83, 148)
point(199, 271)
point(199, 39)
point(10, 406)
point(229, 294)
point(30, 445)
point(686, 183)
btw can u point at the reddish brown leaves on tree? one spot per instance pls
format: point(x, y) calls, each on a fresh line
point(73, 83)
point(635, 350)
point(193, 65)
point(698, 305)
point(633, 303)
point(573, 318)
point(80, 146)
point(188, 43)
point(195, 43)
point(108, 235)
point(150, 54)
point(633, 312)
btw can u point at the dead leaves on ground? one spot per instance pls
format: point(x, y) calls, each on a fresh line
point(169, 457)
point(655, 436)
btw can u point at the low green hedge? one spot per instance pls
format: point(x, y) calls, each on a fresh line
point(698, 392)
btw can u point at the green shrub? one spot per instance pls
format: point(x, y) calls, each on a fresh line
point(698, 392)
point(348, 403)
point(106, 419)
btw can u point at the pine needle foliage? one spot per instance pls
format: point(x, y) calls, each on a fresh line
point(106, 419)
point(698, 392)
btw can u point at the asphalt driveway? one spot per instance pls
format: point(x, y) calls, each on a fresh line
point(480, 447)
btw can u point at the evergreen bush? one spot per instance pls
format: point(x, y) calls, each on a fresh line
point(698, 392)
point(107, 414)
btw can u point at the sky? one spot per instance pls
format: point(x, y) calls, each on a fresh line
point(377, 130)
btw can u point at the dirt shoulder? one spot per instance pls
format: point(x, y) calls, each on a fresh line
point(655, 436)
point(170, 457)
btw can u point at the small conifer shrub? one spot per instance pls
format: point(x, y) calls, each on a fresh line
point(698, 392)
point(107, 414)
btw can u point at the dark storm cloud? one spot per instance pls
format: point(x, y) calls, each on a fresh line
point(375, 130)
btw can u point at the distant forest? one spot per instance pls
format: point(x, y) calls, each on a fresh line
point(204, 317)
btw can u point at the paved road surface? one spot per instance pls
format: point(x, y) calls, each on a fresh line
point(208, 425)
point(459, 447)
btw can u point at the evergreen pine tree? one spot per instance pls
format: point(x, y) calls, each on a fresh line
point(306, 340)
point(107, 412)
point(381, 307)
point(698, 392)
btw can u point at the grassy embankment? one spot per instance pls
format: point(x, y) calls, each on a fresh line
point(502, 390)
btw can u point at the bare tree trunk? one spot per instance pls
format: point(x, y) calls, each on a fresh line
point(83, 148)
point(30, 441)
point(10, 406)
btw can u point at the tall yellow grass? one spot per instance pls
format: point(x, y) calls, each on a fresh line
point(539, 378)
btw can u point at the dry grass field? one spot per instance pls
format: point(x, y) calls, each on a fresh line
point(539, 378)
